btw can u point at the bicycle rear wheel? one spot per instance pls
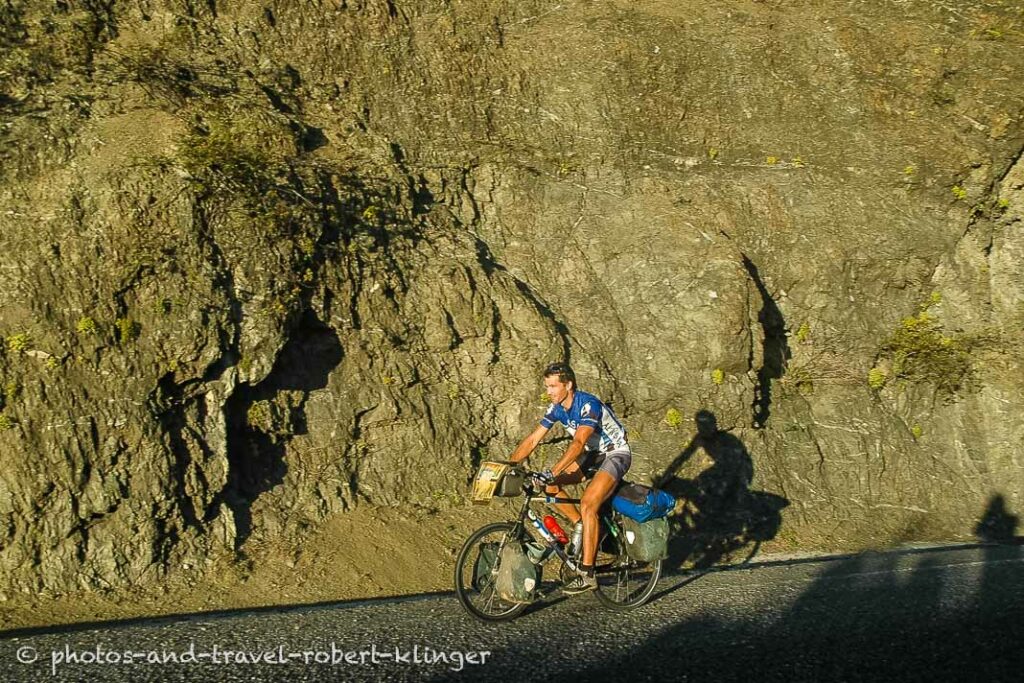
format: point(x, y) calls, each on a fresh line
point(476, 569)
point(625, 583)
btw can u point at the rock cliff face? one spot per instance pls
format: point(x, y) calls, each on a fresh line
point(263, 262)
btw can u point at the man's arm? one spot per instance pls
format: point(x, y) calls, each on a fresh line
point(527, 446)
point(579, 441)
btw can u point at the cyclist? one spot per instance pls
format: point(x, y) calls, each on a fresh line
point(599, 450)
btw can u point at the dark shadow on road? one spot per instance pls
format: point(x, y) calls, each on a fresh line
point(689, 576)
point(865, 617)
point(722, 518)
point(997, 528)
point(553, 589)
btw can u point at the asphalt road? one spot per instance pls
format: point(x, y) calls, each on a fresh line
point(927, 615)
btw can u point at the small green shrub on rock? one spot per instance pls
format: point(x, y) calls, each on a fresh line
point(258, 415)
point(17, 343)
point(673, 418)
point(920, 351)
point(127, 330)
point(218, 160)
point(86, 325)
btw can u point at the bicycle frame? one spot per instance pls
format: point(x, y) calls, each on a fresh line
point(556, 547)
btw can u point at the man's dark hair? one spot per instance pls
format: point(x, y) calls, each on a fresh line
point(564, 372)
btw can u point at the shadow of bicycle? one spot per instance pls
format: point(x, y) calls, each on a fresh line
point(721, 520)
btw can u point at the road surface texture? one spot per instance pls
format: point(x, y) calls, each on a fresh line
point(926, 615)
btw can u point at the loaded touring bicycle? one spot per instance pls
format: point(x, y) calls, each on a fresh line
point(500, 569)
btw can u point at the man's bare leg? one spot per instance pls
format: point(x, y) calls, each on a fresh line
point(597, 492)
point(573, 475)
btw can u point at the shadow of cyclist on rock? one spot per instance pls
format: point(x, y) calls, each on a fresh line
point(997, 525)
point(721, 516)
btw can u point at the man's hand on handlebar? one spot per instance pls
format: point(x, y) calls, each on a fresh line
point(543, 479)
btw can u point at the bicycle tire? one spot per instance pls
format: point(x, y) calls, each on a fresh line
point(483, 602)
point(614, 587)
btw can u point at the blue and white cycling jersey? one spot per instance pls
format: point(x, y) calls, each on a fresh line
point(609, 434)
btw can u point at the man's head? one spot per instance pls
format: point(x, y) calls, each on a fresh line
point(559, 381)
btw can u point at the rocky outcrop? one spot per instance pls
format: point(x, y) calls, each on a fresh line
point(263, 263)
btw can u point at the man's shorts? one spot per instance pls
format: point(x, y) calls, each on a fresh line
point(615, 463)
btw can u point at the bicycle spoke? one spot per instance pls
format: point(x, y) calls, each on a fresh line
point(489, 603)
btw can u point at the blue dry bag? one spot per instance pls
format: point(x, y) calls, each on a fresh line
point(641, 502)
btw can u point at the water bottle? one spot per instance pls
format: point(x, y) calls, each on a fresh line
point(539, 526)
point(576, 544)
point(552, 525)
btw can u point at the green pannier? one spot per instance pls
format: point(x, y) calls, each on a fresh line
point(646, 541)
point(484, 564)
point(518, 577)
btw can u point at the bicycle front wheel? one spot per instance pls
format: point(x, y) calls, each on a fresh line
point(476, 569)
point(624, 583)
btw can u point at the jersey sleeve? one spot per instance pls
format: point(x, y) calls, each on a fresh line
point(591, 413)
point(547, 421)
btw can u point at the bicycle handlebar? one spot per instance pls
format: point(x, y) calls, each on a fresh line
point(534, 476)
point(530, 490)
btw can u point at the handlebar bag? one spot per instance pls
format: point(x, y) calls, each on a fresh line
point(511, 483)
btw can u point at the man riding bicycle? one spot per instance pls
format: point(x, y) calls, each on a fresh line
point(598, 449)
